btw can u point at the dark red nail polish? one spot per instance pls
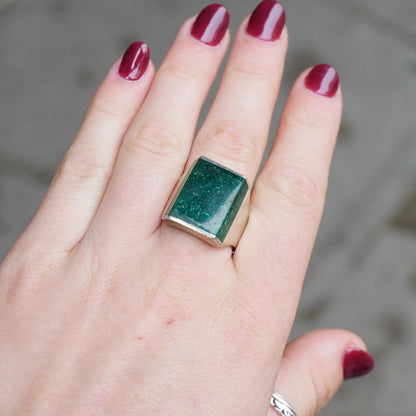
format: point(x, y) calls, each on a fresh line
point(267, 20)
point(323, 79)
point(211, 24)
point(357, 363)
point(135, 61)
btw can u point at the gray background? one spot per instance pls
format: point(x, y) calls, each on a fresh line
point(53, 54)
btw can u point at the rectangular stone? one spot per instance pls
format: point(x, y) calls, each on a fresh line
point(208, 200)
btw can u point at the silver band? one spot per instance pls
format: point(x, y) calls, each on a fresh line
point(279, 403)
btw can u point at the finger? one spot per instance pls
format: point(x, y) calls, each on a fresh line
point(288, 199)
point(157, 144)
point(236, 129)
point(82, 176)
point(315, 365)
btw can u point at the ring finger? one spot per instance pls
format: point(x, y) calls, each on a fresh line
point(236, 129)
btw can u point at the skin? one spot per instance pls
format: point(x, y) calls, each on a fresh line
point(107, 311)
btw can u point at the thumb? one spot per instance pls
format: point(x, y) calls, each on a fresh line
point(314, 366)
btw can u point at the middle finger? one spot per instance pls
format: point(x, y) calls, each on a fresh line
point(236, 129)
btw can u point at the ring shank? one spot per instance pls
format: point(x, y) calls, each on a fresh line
point(281, 405)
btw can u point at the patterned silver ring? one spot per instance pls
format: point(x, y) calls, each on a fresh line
point(280, 404)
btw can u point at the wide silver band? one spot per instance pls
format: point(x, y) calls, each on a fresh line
point(279, 403)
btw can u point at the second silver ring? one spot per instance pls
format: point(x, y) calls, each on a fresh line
point(281, 405)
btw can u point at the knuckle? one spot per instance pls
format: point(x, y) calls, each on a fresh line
point(156, 139)
point(23, 283)
point(295, 186)
point(245, 331)
point(187, 66)
point(321, 391)
point(307, 126)
point(105, 112)
point(182, 72)
point(82, 164)
point(232, 143)
point(252, 70)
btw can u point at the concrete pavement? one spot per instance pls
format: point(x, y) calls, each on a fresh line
point(363, 271)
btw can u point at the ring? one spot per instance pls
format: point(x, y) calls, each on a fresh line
point(209, 202)
point(280, 404)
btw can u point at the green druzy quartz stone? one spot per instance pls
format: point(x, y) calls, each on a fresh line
point(210, 198)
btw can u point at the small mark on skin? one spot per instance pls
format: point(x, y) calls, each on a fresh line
point(170, 322)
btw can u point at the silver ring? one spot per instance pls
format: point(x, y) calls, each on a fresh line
point(210, 201)
point(280, 404)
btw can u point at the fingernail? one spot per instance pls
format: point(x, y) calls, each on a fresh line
point(211, 24)
point(135, 61)
point(323, 79)
point(357, 363)
point(267, 20)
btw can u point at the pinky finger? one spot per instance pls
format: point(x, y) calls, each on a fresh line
point(314, 366)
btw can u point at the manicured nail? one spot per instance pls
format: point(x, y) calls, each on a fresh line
point(211, 24)
point(135, 61)
point(357, 363)
point(323, 79)
point(267, 20)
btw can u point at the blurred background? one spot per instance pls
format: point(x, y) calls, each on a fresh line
point(54, 53)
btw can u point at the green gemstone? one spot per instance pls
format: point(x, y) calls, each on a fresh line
point(210, 198)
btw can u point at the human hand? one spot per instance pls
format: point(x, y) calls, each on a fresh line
point(106, 310)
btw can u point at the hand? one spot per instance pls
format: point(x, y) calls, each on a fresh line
point(105, 310)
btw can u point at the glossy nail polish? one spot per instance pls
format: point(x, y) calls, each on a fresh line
point(135, 61)
point(323, 79)
point(267, 21)
point(211, 24)
point(357, 363)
